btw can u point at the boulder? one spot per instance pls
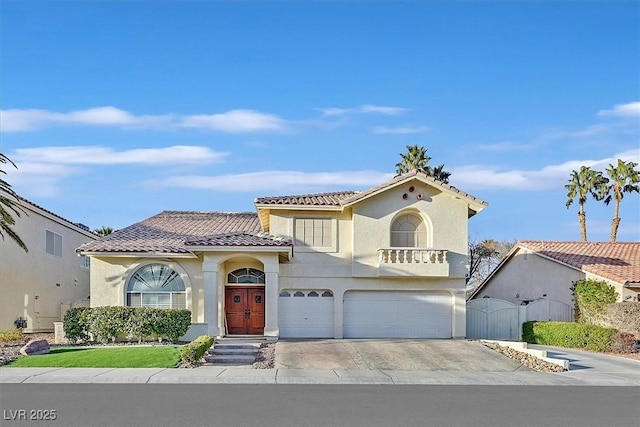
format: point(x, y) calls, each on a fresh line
point(35, 347)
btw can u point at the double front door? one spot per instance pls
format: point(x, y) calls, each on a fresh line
point(244, 310)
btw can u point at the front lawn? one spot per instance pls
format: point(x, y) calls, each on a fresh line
point(103, 357)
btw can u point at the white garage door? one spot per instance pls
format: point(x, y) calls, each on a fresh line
point(305, 314)
point(394, 314)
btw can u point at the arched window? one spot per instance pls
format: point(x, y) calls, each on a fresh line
point(408, 231)
point(156, 285)
point(246, 275)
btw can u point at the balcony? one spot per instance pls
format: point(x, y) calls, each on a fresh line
point(421, 262)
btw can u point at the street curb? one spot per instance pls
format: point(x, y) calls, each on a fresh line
point(540, 354)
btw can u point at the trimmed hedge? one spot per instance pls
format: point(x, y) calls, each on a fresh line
point(624, 316)
point(570, 335)
point(105, 324)
point(192, 353)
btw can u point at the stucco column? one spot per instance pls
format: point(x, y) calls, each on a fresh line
point(338, 327)
point(459, 321)
point(271, 289)
point(210, 284)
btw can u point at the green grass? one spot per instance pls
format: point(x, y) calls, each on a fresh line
point(103, 357)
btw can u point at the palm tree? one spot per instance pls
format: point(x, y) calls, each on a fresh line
point(416, 158)
point(105, 230)
point(624, 179)
point(581, 184)
point(8, 204)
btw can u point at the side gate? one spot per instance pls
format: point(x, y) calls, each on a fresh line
point(549, 310)
point(494, 319)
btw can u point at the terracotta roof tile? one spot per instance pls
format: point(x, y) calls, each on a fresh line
point(169, 231)
point(240, 239)
point(320, 199)
point(619, 261)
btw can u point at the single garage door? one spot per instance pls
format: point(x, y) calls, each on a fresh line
point(305, 313)
point(397, 314)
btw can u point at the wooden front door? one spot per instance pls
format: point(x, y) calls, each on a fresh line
point(244, 308)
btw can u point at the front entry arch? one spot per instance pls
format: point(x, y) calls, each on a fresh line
point(244, 310)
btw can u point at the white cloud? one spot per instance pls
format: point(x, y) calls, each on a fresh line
point(363, 109)
point(90, 155)
point(402, 130)
point(549, 177)
point(234, 121)
point(505, 146)
point(632, 109)
point(40, 179)
point(270, 181)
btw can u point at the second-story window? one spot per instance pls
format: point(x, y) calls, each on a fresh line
point(408, 231)
point(314, 232)
point(54, 243)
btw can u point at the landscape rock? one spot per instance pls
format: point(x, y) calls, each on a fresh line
point(35, 347)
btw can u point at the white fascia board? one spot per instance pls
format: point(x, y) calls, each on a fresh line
point(300, 207)
point(240, 249)
point(57, 219)
point(138, 254)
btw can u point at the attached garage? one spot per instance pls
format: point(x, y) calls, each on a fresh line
point(305, 313)
point(397, 314)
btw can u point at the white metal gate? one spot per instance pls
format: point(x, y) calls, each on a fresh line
point(492, 318)
point(549, 310)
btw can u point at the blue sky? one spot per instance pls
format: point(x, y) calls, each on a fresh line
point(115, 111)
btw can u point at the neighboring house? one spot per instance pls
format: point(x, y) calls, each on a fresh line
point(387, 262)
point(39, 285)
point(542, 269)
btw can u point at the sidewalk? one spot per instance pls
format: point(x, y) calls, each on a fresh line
point(231, 375)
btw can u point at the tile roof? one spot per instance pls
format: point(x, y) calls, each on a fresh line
point(168, 232)
point(619, 261)
point(240, 239)
point(342, 198)
point(320, 199)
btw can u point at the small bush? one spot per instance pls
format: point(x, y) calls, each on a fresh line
point(570, 335)
point(11, 335)
point(623, 342)
point(76, 324)
point(192, 353)
point(172, 323)
point(624, 316)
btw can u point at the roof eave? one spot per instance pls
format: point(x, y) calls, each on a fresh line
point(123, 254)
point(286, 250)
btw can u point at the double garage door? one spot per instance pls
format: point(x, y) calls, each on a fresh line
point(368, 314)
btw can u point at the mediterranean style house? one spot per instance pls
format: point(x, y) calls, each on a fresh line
point(38, 286)
point(533, 270)
point(386, 262)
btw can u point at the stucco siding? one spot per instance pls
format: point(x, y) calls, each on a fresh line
point(528, 276)
point(34, 284)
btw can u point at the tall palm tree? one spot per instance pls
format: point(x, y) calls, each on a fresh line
point(624, 178)
point(9, 204)
point(417, 158)
point(582, 183)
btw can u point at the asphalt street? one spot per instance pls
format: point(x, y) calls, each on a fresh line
point(247, 405)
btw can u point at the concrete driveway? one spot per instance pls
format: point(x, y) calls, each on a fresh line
point(392, 354)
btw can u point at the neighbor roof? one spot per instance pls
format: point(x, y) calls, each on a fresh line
point(175, 231)
point(618, 261)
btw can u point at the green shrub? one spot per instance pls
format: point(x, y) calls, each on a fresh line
point(592, 299)
point(571, 335)
point(624, 316)
point(192, 353)
point(172, 323)
point(11, 335)
point(76, 324)
point(106, 324)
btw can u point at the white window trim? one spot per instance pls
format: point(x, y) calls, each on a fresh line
point(85, 262)
point(325, 249)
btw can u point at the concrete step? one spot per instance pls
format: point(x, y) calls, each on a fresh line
point(246, 351)
point(237, 346)
point(230, 359)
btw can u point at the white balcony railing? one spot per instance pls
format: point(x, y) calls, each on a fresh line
point(412, 256)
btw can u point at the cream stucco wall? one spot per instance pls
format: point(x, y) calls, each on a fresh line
point(34, 284)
